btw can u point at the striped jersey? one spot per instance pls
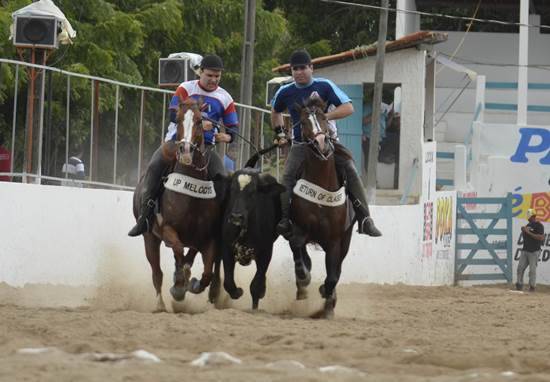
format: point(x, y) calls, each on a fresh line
point(291, 94)
point(219, 106)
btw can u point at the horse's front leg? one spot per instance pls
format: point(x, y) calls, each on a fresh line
point(208, 257)
point(182, 270)
point(190, 256)
point(302, 267)
point(333, 262)
point(215, 285)
point(152, 251)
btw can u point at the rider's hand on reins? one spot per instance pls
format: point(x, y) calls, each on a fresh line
point(222, 137)
point(280, 137)
point(207, 125)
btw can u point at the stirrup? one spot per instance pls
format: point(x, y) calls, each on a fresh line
point(143, 224)
point(366, 226)
point(141, 227)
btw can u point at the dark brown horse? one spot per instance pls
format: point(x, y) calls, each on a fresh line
point(320, 208)
point(189, 215)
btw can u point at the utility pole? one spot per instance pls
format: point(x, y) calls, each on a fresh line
point(247, 76)
point(523, 61)
point(377, 102)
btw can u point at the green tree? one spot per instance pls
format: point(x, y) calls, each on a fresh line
point(123, 40)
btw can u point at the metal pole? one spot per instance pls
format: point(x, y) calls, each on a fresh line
point(277, 164)
point(247, 68)
point(377, 100)
point(30, 122)
point(92, 99)
point(14, 125)
point(262, 141)
point(140, 148)
point(115, 154)
point(164, 116)
point(67, 124)
point(239, 161)
point(523, 61)
point(41, 121)
point(49, 115)
point(94, 175)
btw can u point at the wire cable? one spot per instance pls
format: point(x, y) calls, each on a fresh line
point(489, 21)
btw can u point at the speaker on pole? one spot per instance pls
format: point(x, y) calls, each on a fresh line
point(36, 32)
point(174, 71)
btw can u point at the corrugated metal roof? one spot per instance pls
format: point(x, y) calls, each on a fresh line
point(409, 41)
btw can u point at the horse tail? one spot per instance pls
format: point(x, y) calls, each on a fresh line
point(251, 162)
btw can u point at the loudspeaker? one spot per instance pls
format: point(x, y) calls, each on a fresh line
point(273, 85)
point(36, 31)
point(174, 71)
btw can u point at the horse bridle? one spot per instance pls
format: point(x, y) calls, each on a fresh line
point(188, 123)
point(312, 117)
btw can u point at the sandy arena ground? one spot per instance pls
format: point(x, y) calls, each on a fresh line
point(380, 333)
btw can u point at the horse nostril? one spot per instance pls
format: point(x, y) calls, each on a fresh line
point(236, 219)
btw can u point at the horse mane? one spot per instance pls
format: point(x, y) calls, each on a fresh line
point(187, 102)
point(315, 102)
point(342, 151)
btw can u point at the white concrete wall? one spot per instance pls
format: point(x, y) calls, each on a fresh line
point(489, 48)
point(493, 173)
point(73, 236)
point(407, 67)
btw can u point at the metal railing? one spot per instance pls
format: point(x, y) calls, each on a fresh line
point(117, 125)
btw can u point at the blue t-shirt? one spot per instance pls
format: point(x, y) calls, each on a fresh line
point(291, 94)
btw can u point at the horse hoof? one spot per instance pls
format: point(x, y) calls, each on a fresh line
point(255, 304)
point(328, 314)
point(213, 294)
point(160, 308)
point(301, 294)
point(195, 286)
point(236, 294)
point(330, 304)
point(178, 293)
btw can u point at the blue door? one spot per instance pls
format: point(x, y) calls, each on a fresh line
point(350, 128)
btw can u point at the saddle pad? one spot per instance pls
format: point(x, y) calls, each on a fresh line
point(183, 184)
point(315, 194)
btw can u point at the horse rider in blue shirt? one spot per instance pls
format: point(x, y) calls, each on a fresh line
point(338, 106)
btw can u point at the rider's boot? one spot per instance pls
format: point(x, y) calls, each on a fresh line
point(357, 195)
point(284, 227)
point(364, 220)
point(149, 193)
